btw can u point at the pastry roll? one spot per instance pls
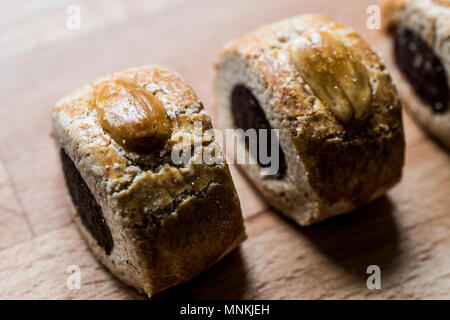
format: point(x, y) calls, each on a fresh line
point(341, 142)
point(152, 212)
point(419, 32)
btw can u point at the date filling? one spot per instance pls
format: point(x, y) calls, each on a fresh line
point(86, 205)
point(422, 68)
point(247, 114)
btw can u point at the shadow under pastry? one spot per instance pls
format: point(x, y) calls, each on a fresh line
point(367, 236)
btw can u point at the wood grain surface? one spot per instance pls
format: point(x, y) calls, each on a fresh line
point(406, 233)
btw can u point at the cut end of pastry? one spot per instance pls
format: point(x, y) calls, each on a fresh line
point(152, 221)
point(340, 147)
point(247, 114)
point(86, 206)
point(422, 68)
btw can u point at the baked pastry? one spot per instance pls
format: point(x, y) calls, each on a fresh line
point(341, 134)
point(152, 220)
point(419, 32)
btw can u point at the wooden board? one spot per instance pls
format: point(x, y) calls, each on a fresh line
point(406, 233)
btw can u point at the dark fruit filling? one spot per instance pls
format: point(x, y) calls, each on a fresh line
point(247, 114)
point(422, 68)
point(86, 205)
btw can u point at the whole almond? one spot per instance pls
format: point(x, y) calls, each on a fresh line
point(334, 74)
point(133, 116)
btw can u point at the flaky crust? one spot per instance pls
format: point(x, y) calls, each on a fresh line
point(345, 167)
point(168, 222)
point(430, 19)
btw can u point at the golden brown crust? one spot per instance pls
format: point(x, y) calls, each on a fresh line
point(168, 219)
point(342, 162)
point(176, 95)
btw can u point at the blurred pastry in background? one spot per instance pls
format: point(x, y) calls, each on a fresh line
point(419, 44)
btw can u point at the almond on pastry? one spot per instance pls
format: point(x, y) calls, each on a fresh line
point(152, 221)
point(341, 142)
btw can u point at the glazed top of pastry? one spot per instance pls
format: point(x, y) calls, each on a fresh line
point(124, 127)
point(324, 75)
point(139, 111)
